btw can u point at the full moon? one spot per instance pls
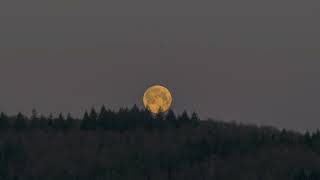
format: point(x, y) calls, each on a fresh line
point(157, 99)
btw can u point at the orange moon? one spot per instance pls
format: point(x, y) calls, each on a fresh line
point(157, 99)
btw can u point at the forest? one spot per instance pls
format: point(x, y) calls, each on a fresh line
point(133, 144)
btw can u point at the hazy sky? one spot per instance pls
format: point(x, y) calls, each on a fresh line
point(250, 61)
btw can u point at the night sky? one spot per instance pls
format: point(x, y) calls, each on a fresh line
point(251, 61)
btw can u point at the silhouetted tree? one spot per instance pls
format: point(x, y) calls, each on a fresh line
point(158, 121)
point(123, 121)
point(70, 122)
point(103, 118)
point(136, 117)
point(148, 119)
point(170, 117)
point(85, 122)
point(93, 117)
point(35, 121)
point(59, 123)
point(50, 121)
point(195, 119)
point(107, 119)
point(20, 123)
point(308, 139)
point(89, 121)
point(183, 119)
point(43, 122)
point(4, 122)
point(160, 115)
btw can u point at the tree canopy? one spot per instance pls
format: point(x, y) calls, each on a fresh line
point(135, 144)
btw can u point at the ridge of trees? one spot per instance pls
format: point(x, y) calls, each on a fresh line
point(136, 144)
point(106, 119)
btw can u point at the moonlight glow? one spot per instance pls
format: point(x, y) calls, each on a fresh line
point(157, 98)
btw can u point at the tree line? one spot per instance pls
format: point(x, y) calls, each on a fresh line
point(105, 119)
point(134, 144)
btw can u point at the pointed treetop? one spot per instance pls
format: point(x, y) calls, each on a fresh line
point(185, 114)
point(135, 108)
point(86, 115)
point(103, 109)
point(160, 115)
point(69, 116)
point(61, 116)
point(93, 113)
point(171, 115)
point(3, 115)
point(195, 117)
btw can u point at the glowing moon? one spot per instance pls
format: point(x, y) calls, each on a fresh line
point(157, 98)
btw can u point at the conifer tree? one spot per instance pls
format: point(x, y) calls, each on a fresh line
point(43, 122)
point(70, 122)
point(35, 121)
point(307, 139)
point(4, 122)
point(195, 119)
point(34, 114)
point(183, 119)
point(102, 118)
point(148, 118)
point(50, 121)
point(59, 123)
point(160, 115)
point(135, 117)
point(93, 117)
point(86, 123)
point(20, 123)
point(170, 117)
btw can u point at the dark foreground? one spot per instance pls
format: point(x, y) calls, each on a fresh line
point(134, 145)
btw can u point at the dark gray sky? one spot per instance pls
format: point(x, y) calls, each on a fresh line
point(250, 61)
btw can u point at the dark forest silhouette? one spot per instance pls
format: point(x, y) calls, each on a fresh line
point(134, 144)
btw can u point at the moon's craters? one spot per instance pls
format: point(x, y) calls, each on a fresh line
point(157, 98)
